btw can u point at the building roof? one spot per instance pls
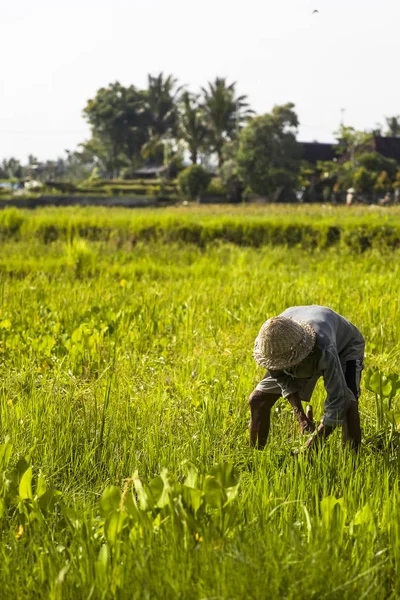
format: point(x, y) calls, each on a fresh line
point(387, 146)
point(151, 170)
point(315, 151)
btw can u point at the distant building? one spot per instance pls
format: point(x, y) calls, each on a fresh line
point(151, 172)
point(313, 152)
point(389, 147)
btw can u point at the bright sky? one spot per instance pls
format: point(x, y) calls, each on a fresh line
point(56, 55)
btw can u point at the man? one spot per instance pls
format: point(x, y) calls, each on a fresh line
point(297, 347)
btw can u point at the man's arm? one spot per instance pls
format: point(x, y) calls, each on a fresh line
point(290, 386)
point(306, 425)
point(338, 394)
point(336, 402)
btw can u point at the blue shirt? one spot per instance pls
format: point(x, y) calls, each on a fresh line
point(337, 341)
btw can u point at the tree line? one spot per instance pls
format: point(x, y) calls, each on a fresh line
point(165, 124)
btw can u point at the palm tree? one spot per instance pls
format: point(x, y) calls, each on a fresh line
point(161, 105)
point(393, 124)
point(191, 128)
point(12, 168)
point(224, 114)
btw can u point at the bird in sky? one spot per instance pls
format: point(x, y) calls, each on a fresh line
point(315, 11)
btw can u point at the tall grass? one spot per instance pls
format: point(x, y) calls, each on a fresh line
point(357, 229)
point(117, 363)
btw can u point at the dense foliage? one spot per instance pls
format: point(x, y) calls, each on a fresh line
point(269, 156)
point(164, 126)
point(193, 181)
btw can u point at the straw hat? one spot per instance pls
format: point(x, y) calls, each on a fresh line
point(283, 342)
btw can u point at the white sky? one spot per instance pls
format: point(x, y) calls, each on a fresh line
point(55, 55)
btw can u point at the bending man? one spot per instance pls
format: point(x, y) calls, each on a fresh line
point(298, 347)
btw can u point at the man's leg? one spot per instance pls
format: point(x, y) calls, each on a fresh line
point(260, 408)
point(351, 423)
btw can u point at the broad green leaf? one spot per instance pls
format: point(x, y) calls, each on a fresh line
point(226, 474)
point(5, 455)
point(364, 516)
point(110, 500)
point(395, 381)
point(214, 493)
point(374, 382)
point(156, 487)
point(167, 491)
point(143, 497)
point(114, 525)
point(103, 557)
point(386, 387)
point(332, 509)
point(25, 485)
point(72, 516)
point(48, 500)
point(41, 486)
point(192, 497)
point(22, 465)
point(232, 492)
point(393, 416)
point(130, 504)
point(192, 476)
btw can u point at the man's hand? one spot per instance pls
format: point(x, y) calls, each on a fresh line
point(315, 441)
point(306, 425)
point(321, 434)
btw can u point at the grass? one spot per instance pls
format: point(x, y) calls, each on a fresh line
point(119, 362)
point(356, 229)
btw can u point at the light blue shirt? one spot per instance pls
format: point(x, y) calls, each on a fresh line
point(337, 341)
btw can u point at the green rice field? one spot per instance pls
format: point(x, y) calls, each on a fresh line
point(126, 364)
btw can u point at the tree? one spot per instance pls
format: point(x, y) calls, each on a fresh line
point(191, 128)
point(161, 106)
point(383, 182)
point(352, 142)
point(193, 181)
point(11, 168)
point(229, 172)
point(376, 163)
point(100, 153)
point(269, 155)
point(364, 180)
point(119, 120)
point(160, 99)
point(393, 126)
point(224, 114)
point(79, 165)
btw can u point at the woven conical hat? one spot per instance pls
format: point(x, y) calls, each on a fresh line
point(283, 342)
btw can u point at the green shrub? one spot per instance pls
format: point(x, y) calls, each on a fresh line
point(193, 181)
point(383, 182)
point(215, 188)
point(396, 183)
point(376, 163)
point(364, 180)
